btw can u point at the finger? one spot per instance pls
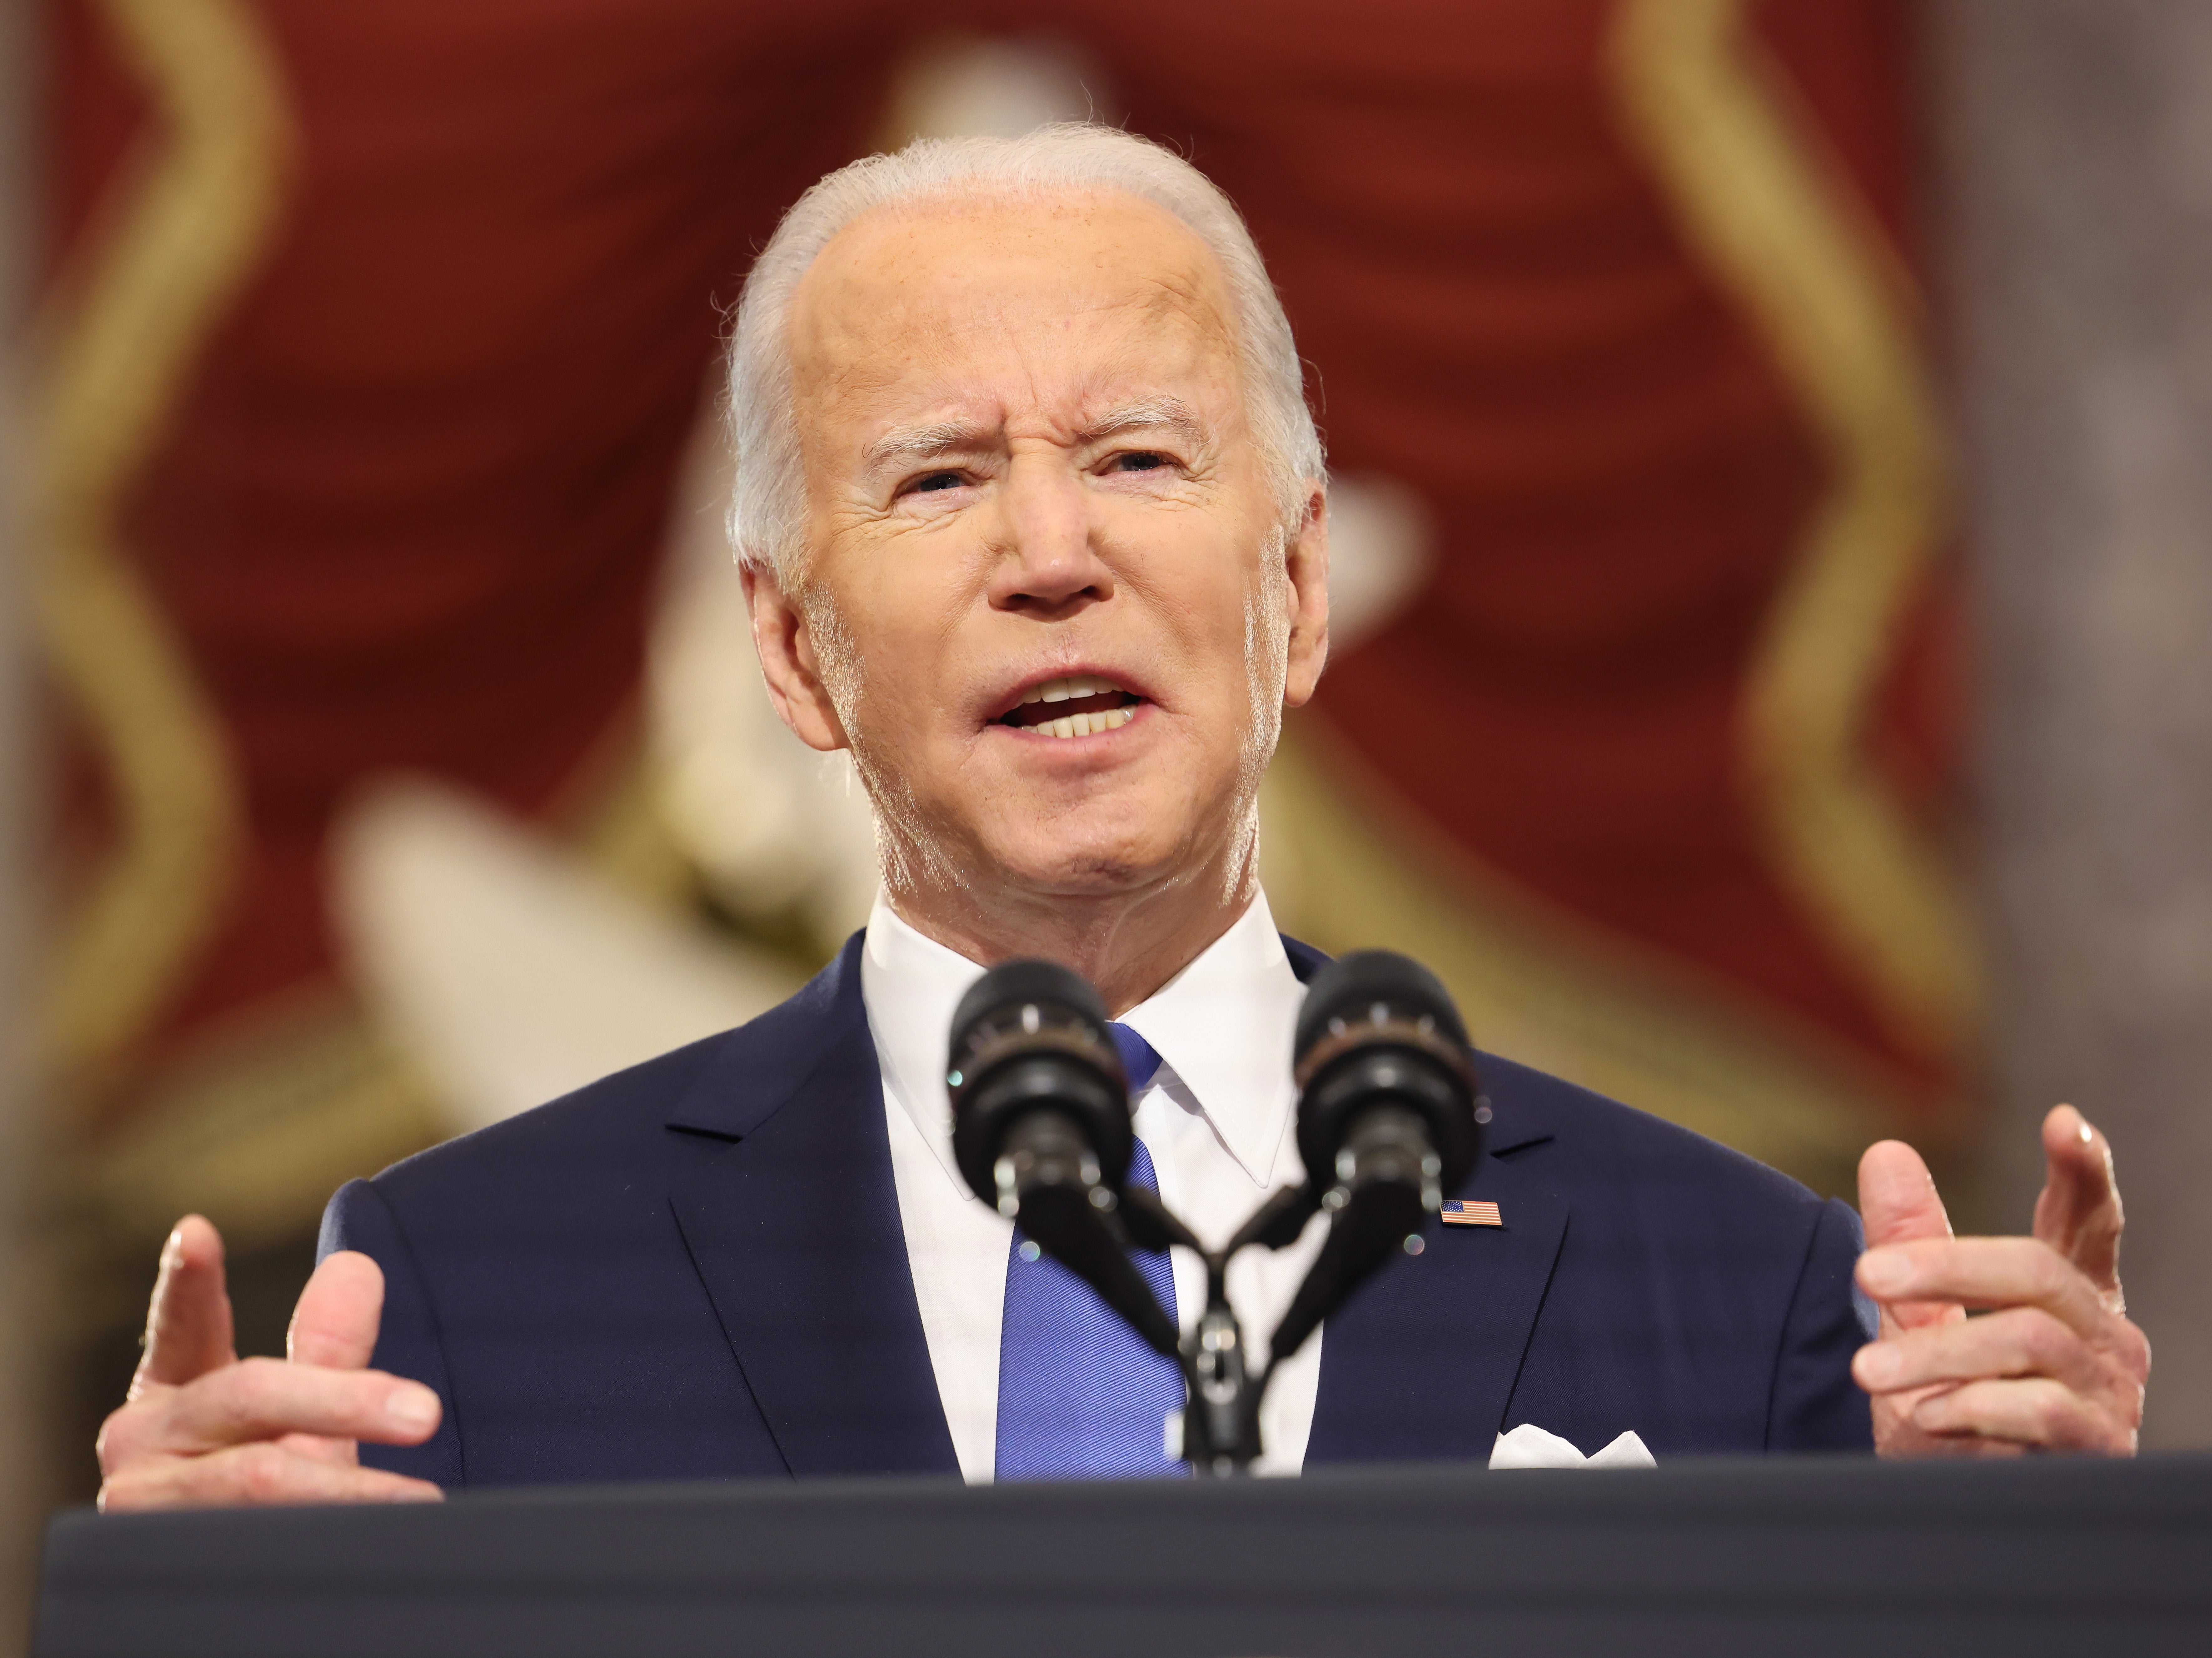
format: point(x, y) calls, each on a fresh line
point(2032, 1411)
point(261, 1473)
point(345, 1452)
point(1989, 1272)
point(268, 1398)
point(130, 1431)
point(2078, 1213)
point(1897, 1316)
point(2018, 1342)
point(1898, 1199)
point(188, 1327)
point(335, 1323)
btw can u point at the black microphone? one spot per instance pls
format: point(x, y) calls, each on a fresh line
point(1040, 1126)
point(1386, 1119)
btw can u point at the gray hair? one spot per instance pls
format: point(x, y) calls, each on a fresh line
point(768, 506)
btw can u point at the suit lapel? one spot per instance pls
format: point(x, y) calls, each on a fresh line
point(795, 1231)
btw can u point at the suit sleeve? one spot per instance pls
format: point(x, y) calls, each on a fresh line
point(1815, 1405)
point(408, 1341)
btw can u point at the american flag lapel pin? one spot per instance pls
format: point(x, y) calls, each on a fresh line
point(1457, 1213)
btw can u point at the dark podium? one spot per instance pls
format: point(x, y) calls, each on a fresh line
point(1810, 1557)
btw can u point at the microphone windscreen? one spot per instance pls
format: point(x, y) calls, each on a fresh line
point(1032, 1035)
point(1011, 986)
point(1379, 1028)
point(1348, 987)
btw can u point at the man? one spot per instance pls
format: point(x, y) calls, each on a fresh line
point(1033, 521)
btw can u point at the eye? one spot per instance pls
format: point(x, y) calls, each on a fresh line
point(935, 480)
point(1139, 460)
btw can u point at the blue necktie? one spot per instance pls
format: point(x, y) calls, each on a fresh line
point(1080, 1395)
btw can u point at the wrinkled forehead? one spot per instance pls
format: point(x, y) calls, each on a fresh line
point(948, 277)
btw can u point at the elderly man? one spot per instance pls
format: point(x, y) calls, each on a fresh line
point(1032, 518)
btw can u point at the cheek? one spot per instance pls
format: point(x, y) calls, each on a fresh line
point(902, 645)
point(1220, 612)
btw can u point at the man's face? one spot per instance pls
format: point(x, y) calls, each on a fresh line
point(1050, 603)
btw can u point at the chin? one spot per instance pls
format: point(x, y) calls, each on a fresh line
point(1092, 867)
point(1097, 876)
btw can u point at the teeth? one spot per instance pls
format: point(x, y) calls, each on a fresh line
point(1086, 725)
point(1061, 690)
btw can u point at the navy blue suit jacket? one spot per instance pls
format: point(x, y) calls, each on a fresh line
point(694, 1269)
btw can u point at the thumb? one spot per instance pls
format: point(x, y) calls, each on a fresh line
point(1898, 1199)
point(188, 1327)
point(336, 1321)
point(1898, 1204)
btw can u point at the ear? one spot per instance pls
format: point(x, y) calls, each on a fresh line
point(790, 663)
point(1307, 565)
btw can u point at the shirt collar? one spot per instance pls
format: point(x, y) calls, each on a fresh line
point(1222, 1028)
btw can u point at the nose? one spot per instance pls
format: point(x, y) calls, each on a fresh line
point(1049, 565)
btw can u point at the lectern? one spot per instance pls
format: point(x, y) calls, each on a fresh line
point(1807, 1557)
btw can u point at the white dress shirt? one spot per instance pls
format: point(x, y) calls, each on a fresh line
point(1217, 1121)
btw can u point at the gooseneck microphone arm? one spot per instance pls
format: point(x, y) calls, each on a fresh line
point(1386, 1117)
point(1386, 1125)
point(1221, 1419)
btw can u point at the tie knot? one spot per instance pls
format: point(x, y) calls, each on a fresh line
point(1139, 1060)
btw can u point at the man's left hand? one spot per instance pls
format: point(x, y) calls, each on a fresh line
point(2053, 1363)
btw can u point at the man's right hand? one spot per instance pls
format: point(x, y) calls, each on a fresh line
point(201, 1428)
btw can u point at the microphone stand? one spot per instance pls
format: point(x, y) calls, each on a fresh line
point(1385, 1104)
point(1221, 1424)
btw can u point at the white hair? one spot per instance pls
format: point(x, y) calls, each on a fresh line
point(767, 507)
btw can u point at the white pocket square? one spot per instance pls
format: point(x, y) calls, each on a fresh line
point(1529, 1447)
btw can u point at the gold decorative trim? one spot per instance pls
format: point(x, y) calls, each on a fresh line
point(261, 1122)
point(1349, 864)
point(191, 226)
point(1770, 212)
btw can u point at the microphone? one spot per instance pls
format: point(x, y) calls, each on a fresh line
point(1386, 1119)
point(1040, 1126)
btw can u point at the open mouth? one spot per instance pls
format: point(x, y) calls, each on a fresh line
point(1081, 705)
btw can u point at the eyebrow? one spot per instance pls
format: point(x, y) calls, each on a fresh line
point(911, 443)
point(905, 444)
point(1164, 414)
